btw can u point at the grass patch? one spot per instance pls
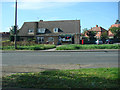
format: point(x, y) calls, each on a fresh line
point(77, 47)
point(30, 47)
point(81, 78)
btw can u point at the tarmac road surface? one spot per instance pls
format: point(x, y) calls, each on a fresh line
point(23, 58)
point(36, 61)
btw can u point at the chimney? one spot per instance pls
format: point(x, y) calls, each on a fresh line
point(41, 20)
point(96, 25)
point(117, 22)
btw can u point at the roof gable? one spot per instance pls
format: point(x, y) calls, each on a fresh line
point(97, 29)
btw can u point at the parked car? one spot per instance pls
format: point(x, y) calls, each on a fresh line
point(109, 41)
point(99, 42)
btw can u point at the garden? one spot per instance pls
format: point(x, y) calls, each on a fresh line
point(25, 45)
point(31, 45)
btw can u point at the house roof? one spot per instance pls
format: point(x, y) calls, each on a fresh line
point(53, 21)
point(65, 26)
point(115, 25)
point(98, 29)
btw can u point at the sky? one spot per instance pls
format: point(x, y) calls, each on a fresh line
point(90, 13)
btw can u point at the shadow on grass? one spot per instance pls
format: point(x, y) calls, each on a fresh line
point(58, 79)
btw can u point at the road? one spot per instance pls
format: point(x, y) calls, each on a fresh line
point(36, 61)
point(37, 57)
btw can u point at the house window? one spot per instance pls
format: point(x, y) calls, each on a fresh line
point(55, 30)
point(31, 31)
point(50, 39)
point(41, 30)
point(40, 39)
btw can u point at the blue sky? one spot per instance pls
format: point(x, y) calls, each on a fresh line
point(90, 13)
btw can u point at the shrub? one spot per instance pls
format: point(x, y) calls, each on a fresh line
point(12, 38)
point(7, 43)
point(75, 47)
point(29, 47)
point(21, 43)
point(48, 46)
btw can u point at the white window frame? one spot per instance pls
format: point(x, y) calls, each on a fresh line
point(50, 39)
point(55, 30)
point(31, 31)
point(40, 39)
point(41, 30)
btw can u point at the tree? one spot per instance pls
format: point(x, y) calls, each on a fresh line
point(91, 35)
point(104, 36)
point(12, 32)
point(116, 32)
point(84, 30)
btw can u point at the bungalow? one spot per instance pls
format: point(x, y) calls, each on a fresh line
point(98, 30)
point(52, 32)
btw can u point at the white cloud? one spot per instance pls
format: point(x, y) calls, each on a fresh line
point(60, 0)
point(6, 29)
point(41, 5)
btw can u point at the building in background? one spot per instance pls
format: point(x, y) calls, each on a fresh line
point(117, 24)
point(4, 36)
point(98, 30)
point(52, 32)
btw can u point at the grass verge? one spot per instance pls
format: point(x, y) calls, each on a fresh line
point(81, 78)
point(77, 47)
point(30, 47)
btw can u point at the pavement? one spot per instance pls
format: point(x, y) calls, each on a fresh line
point(54, 50)
point(7, 70)
point(89, 50)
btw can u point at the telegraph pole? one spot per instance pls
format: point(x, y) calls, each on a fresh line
point(15, 27)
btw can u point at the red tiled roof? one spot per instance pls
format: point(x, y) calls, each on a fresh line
point(99, 29)
point(115, 25)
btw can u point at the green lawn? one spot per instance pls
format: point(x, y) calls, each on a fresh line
point(78, 47)
point(81, 78)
